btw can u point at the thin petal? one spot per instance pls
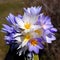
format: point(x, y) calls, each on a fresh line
point(16, 35)
point(36, 50)
point(11, 18)
point(7, 28)
point(49, 40)
point(19, 22)
point(53, 30)
point(20, 16)
point(31, 48)
point(18, 39)
point(47, 26)
point(24, 42)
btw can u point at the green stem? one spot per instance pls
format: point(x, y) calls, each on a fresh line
point(36, 57)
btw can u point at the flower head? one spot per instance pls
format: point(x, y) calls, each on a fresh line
point(27, 22)
point(46, 25)
point(34, 45)
point(29, 30)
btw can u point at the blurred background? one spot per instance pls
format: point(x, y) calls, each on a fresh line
point(49, 7)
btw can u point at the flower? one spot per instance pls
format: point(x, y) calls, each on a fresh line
point(38, 33)
point(27, 22)
point(34, 45)
point(12, 36)
point(49, 36)
point(13, 32)
point(46, 25)
point(29, 31)
point(45, 22)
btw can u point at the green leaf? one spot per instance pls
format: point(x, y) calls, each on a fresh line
point(36, 57)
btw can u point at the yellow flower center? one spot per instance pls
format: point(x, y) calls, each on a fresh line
point(33, 42)
point(27, 25)
point(39, 31)
point(27, 37)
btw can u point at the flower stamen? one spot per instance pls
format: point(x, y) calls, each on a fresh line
point(39, 31)
point(33, 42)
point(27, 25)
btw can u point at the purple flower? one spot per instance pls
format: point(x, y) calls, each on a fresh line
point(45, 22)
point(46, 25)
point(12, 34)
point(34, 45)
point(33, 10)
point(29, 30)
point(49, 36)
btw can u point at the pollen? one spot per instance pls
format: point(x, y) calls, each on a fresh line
point(33, 42)
point(39, 31)
point(27, 25)
point(27, 37)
